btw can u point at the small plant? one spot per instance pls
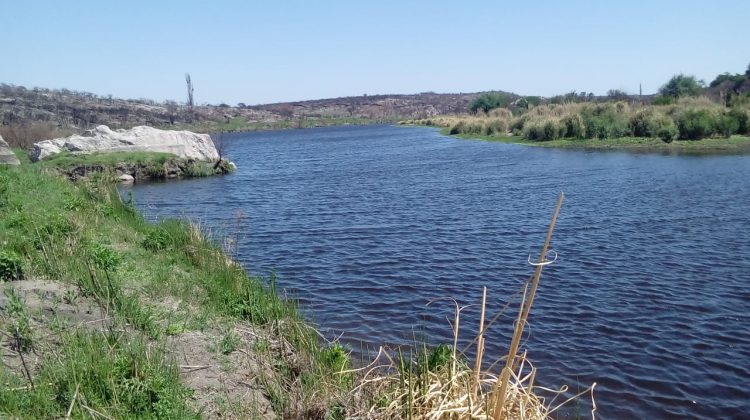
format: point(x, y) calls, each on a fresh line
point(20, 327)
point(667, 133)
point(156, 239)
point(105, 258)
point(229, 342)
point(10, 266)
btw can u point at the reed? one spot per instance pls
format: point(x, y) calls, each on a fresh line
point(442, 384)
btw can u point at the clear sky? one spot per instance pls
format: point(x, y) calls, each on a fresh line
point(270, 51)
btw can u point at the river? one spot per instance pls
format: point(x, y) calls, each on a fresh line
point(365, 225)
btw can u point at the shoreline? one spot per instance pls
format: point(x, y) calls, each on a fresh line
point(714, 146)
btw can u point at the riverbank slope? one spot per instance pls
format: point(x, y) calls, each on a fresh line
point(106, 314)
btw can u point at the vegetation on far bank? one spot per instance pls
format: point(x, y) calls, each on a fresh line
point(678, 113)
point(240, 124)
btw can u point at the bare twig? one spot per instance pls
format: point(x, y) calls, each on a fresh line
point(23, 360)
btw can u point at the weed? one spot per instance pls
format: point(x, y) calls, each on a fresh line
point(10, 266)
point(229, 342)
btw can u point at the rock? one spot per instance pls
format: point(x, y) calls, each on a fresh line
point(7, 157)
point(126, 179)
point(184, 144)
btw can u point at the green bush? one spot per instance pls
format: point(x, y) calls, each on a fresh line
point(663, 100)
point(727, 124)
point(606, 126)
point(545, 130)
point(695, 124)
point(487, 101)
point(647, 123)
point(10, 266)
point(668, 132)
point(742, 118)
point(105, 258)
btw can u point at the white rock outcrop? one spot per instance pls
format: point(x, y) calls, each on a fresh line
point(7, 157)
point(184, 144)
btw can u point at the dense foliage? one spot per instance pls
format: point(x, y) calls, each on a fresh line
point(489, 101)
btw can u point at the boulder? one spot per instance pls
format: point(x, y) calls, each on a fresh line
point(184, 144)
point(126, 179)
point(7, 157)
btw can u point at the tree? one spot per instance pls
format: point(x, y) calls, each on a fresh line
point(681, 85)
point(747, 72)
point(171, 110)
point(617, 94)
point(190, 90)
point(488, 101)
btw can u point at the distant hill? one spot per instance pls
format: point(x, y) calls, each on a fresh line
point(74, 110)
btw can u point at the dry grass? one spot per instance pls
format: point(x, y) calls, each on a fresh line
point(26, 134)
point(442, 385)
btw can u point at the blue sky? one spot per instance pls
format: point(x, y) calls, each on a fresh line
point(261, 52)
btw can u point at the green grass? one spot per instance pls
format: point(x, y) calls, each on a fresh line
point(83, 234)
point(734, 144)
point(68, 160)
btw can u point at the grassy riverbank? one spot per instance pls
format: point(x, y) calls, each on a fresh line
point(731, 145)
point(108, 315)
point(142, 166)
point(690, 125)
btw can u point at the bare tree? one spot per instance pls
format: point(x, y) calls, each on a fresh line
point(171, 110)
point(220, 144)
point(190, 90)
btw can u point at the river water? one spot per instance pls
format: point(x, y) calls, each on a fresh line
point(366, 225)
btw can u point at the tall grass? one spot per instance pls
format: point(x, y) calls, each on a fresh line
point(686, 119)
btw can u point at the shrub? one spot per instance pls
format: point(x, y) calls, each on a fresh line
point(105, 258)
point(493, 127)
point(544, 130)
point(488, 101)
point(501, 113)
point(574, 126)
point(457, 128)
point(647, 123)
point(640, 123)
point(727, 124)
point(667, 132)
point(742, 118)
point(10, 266)
point(663, 100)
point(603, 122)
point(695, 124)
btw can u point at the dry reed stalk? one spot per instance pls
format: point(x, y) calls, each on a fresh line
point(523, 314)
point(480, 345)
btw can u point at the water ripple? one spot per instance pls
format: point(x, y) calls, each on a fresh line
point(365, 225)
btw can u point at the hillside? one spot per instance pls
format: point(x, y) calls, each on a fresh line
point(39, 113)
